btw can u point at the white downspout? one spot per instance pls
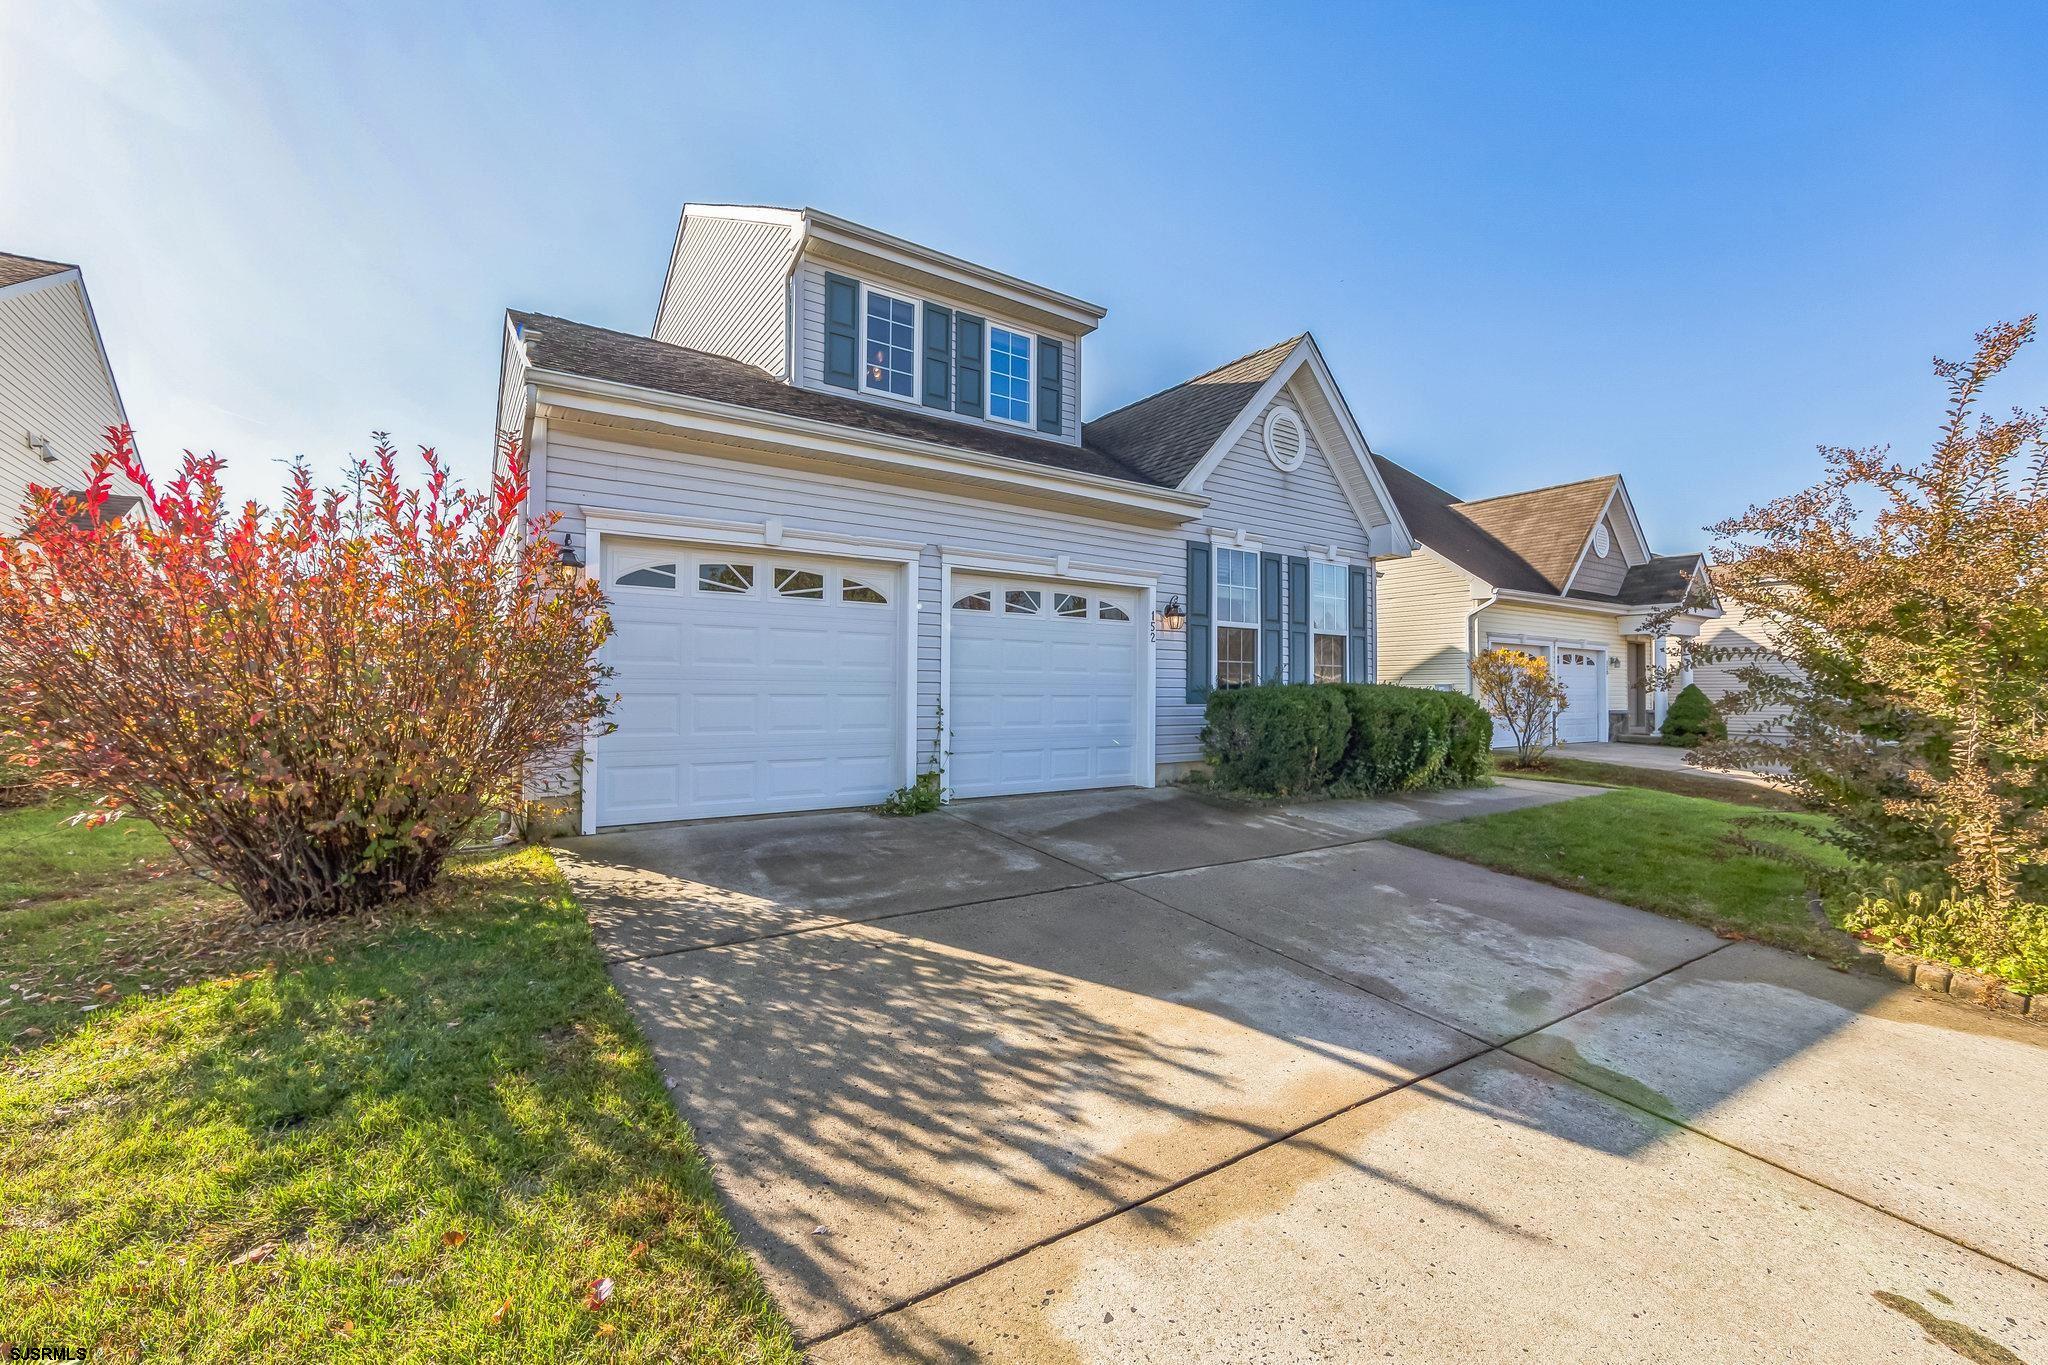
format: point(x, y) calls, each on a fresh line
point(1472, 637)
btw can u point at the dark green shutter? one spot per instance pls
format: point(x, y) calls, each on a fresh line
point(1358, 656)
point(842, 332)
point(1298, 669)
point(1272, 625)
point(970, 335)
point(938, 356)
point(1199, 650)
point(1049, 378)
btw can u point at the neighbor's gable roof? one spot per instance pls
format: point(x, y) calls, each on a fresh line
point(1547, 527)
point(1436, 519)
point(1166, 435)
point(22, 269)
point(623, 358)
point(1656, 581)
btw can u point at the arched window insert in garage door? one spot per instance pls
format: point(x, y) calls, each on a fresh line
point(729, 577)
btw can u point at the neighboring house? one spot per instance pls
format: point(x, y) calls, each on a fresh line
point(1564, 572)
point(57, 392)
point(1737, 630)
point(845, 489)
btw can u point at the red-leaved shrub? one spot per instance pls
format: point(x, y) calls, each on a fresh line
point(314, 703)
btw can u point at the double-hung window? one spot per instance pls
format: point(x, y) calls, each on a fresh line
point(1329, 591)
point(1237, 617)
point(1009, 376)
point(891, 355)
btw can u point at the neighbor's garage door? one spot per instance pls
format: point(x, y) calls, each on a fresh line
point(1580, 670)
point(750, 682)
point(1045, 680)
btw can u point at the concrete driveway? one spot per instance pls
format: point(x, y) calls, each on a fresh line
point(1139, 1075)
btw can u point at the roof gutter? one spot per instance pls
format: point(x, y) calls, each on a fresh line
point(733, 421)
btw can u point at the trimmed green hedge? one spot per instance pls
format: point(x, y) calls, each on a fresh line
point(1350, 738)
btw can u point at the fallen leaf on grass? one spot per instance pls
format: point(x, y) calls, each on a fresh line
point(639, 1252)
point(605, 1329)
point(345, 1328)
point(499, 1313)
point(599, 1294)
point(256, 1255)
point(454, 1237)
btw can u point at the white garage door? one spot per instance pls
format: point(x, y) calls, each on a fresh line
point(1045, 683)
point(750, 682)
point(1580, 670)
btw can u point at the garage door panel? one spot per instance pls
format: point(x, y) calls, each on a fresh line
point(745, 702)
point(1043, 702)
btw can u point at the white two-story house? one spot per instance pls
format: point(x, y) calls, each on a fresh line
point(852, 524)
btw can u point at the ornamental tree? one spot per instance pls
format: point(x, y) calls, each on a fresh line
point(1520, 691)
point(1913, 600)
point(316, 703)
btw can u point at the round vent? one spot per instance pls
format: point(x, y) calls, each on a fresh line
point(1601, 543)
point(1285, 442)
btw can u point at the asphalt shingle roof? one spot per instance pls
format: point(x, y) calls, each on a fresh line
point(623, 358)
point(1528, 542)
point(20, 269)
point(1165, 436)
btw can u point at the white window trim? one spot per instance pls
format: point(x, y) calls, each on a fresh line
point(1241, 543)
point(1274, 415)
point(1344, 602)
point(916, 396)
point(988, 374)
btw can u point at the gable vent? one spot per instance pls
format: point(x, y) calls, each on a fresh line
point(1601, 542)
point(1285, 442)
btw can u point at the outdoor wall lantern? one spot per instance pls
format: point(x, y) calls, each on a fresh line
point(1174, 617)
point(568, 561)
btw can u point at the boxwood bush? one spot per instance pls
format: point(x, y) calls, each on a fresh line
point(1691, 718)
point(1362, 738)
point(1281, 740)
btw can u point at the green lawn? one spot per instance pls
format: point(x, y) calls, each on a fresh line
point(1677, 855)
point(1557, 767)
point(419, 1139)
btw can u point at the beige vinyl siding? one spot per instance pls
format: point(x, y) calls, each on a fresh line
point(810, 350)
point(53, 384)
point(1425, 607)
point(728, 291)
point(1736, 629)
point(1604, 575)
point(1535, 623)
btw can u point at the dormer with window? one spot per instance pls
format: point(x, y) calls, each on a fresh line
point(826, 304)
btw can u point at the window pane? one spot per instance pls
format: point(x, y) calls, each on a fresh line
point(1069, 604)
point(1110, 611)
point(1329, 597)
point(1237, 587)
point(853, 590)
point(725, 577)
point(1025, 603)
point(1237, 656)
point(800, 583)
point(1009, 375)
point(891, 340)
point(653, 576)
point(1329, 658)
point(974, 601)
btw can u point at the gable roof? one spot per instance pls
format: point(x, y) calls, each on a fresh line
point(22, 269)
point(1548, 527)
point(1166, 435)
point(1654, 582)
point(623, 358)
point(1436, 518)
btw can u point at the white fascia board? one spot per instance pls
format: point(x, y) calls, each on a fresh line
point(1566, 604)
point(1242, 423)
point(1402, 539)
point(41, 282)
point(732, 421)
point(1628, 505)
point(842, 232)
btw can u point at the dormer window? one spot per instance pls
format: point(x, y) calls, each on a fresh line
point(1009, 376)
point(891, 364)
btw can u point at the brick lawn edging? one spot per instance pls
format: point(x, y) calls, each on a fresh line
point(1972, 988)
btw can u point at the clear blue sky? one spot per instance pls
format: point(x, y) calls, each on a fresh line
point(1536, 242)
